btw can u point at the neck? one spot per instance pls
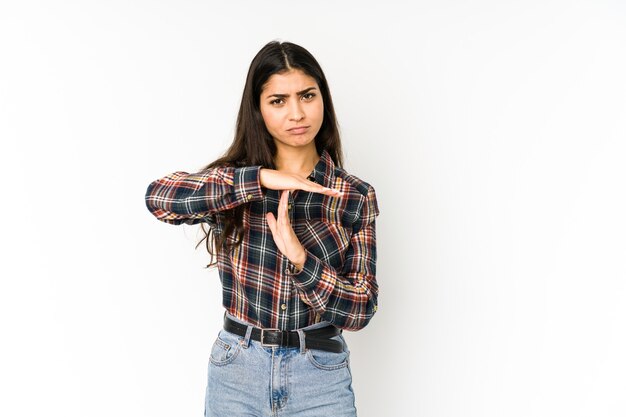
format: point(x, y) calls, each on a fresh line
point(300, 161)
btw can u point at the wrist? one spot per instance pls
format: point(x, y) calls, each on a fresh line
point(299, 260)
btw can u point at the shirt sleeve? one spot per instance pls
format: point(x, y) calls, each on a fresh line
point(192, 198)
point(346, 298)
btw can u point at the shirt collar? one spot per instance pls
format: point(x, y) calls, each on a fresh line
point(324, 171)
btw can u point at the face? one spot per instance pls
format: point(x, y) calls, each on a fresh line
point(292, 108)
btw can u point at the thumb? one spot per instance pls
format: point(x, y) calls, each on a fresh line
point(271, 222)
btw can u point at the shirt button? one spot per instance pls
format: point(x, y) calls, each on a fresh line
point(250, 197)
point(283, 307)
point(289, 206)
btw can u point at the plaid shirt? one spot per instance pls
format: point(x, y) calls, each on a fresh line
point(260, 285)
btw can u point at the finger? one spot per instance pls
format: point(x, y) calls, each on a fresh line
point(278, 240)
point(284, 198)
point(333, 192)
point(286, 219)
point(318, 188)
point(282, 208)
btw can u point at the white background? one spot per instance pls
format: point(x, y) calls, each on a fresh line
point(493, 131)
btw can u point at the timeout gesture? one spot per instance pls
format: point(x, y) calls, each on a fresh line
point(280, 226)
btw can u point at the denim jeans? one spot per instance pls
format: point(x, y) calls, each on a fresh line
point(247, 379)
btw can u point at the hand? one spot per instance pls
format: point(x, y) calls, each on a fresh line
point(283, 234)
point(276, 180)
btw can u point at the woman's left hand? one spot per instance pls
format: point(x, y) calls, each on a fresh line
point(284, 236)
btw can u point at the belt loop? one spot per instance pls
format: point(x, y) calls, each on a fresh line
point(245, 343)
point(302, 338)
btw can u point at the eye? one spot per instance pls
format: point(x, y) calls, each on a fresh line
point(308, 96)
point(277, 101)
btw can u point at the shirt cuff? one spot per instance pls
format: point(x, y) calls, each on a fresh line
point(247, 184)
point(314, 275)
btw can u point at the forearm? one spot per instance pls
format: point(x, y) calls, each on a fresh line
point(188, 198)
point(347, 298)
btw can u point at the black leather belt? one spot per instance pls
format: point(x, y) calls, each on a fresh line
point(314, 339)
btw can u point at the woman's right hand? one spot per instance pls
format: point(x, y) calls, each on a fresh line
point(276, 180)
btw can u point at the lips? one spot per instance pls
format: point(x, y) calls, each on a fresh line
point(298, 130)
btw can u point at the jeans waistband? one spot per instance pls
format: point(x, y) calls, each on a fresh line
point(309, 327)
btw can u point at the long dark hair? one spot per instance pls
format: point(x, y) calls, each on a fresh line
point(253, 144)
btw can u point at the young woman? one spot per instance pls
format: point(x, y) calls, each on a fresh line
point(293, 235)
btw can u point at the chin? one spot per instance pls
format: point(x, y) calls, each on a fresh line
point(305, 143)
point(298, 143)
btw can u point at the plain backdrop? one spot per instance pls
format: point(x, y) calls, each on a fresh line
point(493, 132)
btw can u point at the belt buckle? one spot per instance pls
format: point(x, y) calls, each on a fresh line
point(269, 344)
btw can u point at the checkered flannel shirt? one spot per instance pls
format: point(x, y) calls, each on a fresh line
point(259, 284)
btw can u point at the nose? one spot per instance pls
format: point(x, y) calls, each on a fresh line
point(296, 112)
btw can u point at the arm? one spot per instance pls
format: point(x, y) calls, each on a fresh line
point(189, 198)
point(346, 298)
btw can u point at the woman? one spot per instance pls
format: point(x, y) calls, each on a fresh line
point(293, 235)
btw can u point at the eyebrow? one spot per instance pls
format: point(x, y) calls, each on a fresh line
point(279, 95)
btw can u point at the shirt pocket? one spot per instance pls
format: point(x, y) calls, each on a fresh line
point(327, 240)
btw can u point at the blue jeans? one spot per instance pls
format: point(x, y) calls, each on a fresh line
point(247, 379)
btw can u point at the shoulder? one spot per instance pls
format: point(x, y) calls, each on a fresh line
point(355, 183)
point(362, 196)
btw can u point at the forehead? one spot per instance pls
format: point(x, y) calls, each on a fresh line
point(289, 82)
